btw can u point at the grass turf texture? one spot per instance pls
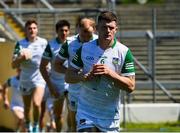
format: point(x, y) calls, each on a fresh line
point(151, 127)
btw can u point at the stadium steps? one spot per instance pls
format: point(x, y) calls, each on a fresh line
point(14, 26)
point(146, 95)
point(141, 18)
point(134, 17)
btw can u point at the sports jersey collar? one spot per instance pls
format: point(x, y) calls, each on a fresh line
point(59, 42)
point(113, 45)
point(78, 38)
point(29, 40)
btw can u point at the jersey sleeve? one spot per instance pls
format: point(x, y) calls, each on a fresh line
point(47, 52)
point(16, 52)
point(9, 82)
point(128, 66)
point(77, 61)
point(63, 52)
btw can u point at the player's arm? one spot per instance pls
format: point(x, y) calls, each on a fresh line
point(61, 57)
point(125, 82)
point(5, 94)
point(126, 79)
point(58, 66)
point(74, 73)
point(44, 69)
point(19, 56)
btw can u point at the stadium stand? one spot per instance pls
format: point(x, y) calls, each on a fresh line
point(133, 18)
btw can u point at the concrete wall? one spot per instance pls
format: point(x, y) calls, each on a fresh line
point(6, 50)
point(145, 113)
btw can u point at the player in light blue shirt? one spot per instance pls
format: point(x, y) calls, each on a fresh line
point(27, 55)
point(16, 105)
point(55, 80)
point(86, 29)
point(107, 68)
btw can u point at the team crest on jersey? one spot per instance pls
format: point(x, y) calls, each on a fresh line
point(115, 60)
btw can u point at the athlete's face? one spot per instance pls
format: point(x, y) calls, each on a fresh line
point(107, 29)
point(86, 32)
point(63, 33)
point(31, 31)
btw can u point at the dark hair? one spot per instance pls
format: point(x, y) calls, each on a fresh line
point(107, 15)
point(29, 22)
point(62, 23)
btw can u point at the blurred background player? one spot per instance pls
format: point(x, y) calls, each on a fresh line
point(55, 81)
point(47, 106)
point(27, 55)
point(16, 105)
point(85, 29)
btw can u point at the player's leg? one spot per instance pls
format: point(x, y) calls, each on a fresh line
point(27, 108)
point(37, 99)
point(72, 115)
point(42, 114)
point(49, 106)
point(58, 107)
point(72, 107)
point(19, 118)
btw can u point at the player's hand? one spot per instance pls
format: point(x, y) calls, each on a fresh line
point(88, 76)
point(101, 69)
point(6, 104)
point(26, 54)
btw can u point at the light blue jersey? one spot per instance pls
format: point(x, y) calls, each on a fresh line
point(16, 98)
point(68, 52)
point(30, 76)
point(50, 54)
point(100, 98)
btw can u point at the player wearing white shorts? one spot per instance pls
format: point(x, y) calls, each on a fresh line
point(86, 28)
point(55, 80)
point(16, 105)
point(107, 68)
point(27, 55)
point(47, 104)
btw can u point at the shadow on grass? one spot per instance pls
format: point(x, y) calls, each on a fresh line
point(5, 129)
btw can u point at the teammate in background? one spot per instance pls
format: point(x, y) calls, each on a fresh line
point(27, 55)
point(55, 81)
point(16, 106)
point(86, 29)
point(47, 103)
point(107, 68)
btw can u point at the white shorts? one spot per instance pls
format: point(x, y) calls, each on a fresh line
point(59, 86)
point(14, 107)
point(104, 125)
point(28, 91)
point(72, 101)
point(49, 104)
point(46, 94)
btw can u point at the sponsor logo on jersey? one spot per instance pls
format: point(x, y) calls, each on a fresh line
point(89, 58)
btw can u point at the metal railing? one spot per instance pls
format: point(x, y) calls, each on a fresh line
point(150, 35)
